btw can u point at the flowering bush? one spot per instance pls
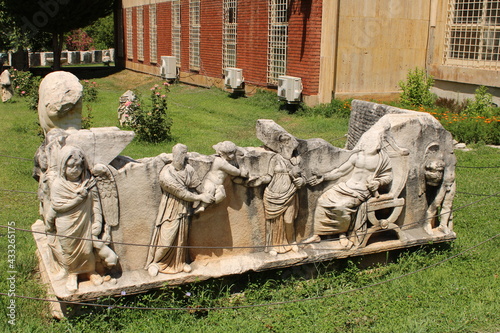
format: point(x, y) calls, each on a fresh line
point(151, 122)
point(88, 118)
point(90, 92)
point(78, 40)
point(470, 129)
point(26, 85)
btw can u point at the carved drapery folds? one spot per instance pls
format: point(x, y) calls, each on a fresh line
point(117, 224)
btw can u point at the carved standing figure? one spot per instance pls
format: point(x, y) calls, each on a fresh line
point(75, 201)
point(338, 207)
point(224, 164)
point(440, 190)
point(281, 202)
point(180, 186)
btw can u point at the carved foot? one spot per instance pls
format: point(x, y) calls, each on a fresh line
point(274, 253)
point(428, 228)
point(312, 239)
point(187, 268)
point(444, 229)
point(199, 210)
point(345, 242)
point(72, 283)
point(153, 270)
point(96, 279)
point(295, 248)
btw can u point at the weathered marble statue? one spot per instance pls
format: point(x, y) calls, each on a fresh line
point(439, 189)
point(284, 178)
point(223, 164)
point(110, 217)
point(6, 85)
point(179, 184)
point(60, 102)
point(77, 220)
point(338, 209)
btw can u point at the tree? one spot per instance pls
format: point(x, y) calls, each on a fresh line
point(102, 33)
point(56, 17)
point(12, 38)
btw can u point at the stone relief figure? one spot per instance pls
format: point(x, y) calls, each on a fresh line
point(46, 169)
point(77, 213)
point(181, 187)
point(283, 179)
point(224, 164)
point(6, 85)
point(439, 189)
point(60, 102)
point(338, 209)
point(108, 195)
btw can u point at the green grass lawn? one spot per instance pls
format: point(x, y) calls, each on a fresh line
point(459, 295)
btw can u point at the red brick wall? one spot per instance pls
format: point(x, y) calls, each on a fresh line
point(304, 43)
point(134, 33)
point(304, 39)
point(164, 30)
point(211, 38)
point(146, 46)
point(185, 36)
point(252, 40)
point(124, 25)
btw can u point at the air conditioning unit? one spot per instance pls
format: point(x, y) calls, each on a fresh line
point(289, 88)
point(168, 69)
point(233, 78)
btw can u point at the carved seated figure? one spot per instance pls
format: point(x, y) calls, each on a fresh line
point(389, 202)
point(338, 209)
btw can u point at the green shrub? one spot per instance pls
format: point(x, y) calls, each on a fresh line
point(151, 122)
point(90, 92)
point(88, 118)
point(416, 89)
point(482, 105)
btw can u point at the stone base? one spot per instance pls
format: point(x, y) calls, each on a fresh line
point(138, 281)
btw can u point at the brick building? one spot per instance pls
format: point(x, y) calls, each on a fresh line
point(339, 48)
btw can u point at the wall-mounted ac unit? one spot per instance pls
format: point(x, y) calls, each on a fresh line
point(233, 78)
point(289, 88)
point(168, 69)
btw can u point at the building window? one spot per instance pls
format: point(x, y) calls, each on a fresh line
point(473, 34)
point(194, 35)
point(130, 29)
point(153, 48)
point(278, 40)
point(229, 34)
point(140, 34)
point(176, 30)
